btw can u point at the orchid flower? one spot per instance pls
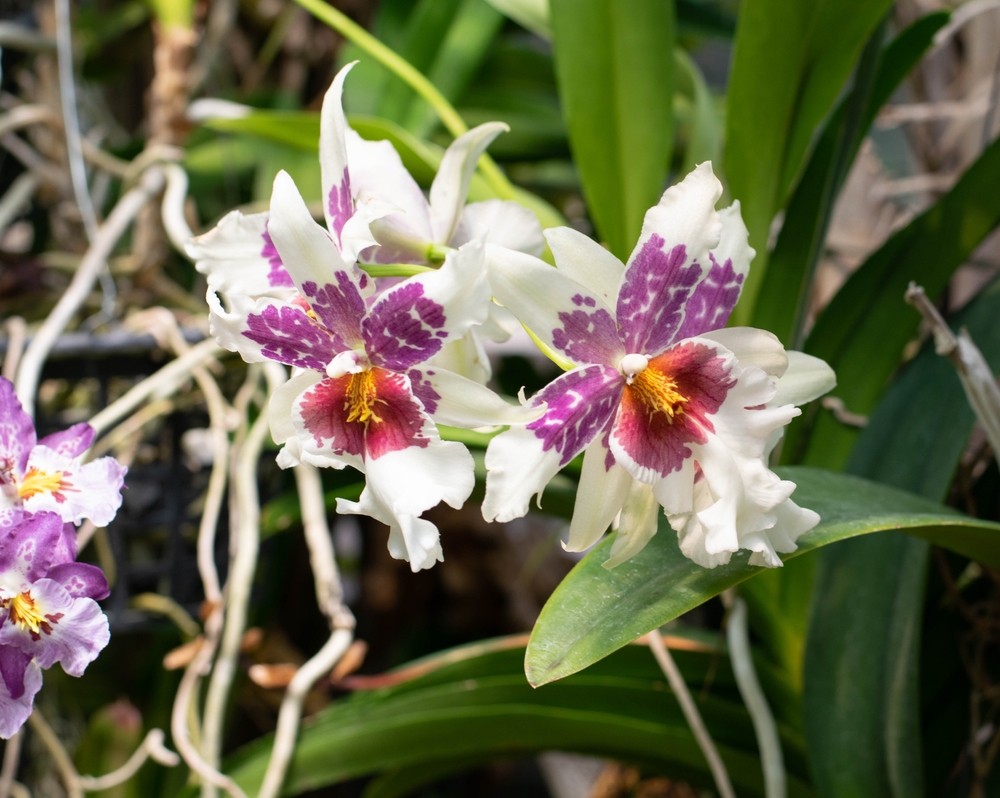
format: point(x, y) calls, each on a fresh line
point(375, 211)
point(670, 409)
point(47, 475)
point(364, 395)
point(48, 613)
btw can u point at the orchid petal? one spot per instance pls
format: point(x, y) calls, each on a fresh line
point(412, 321)
point(806, 379)
point(668, 262)
point(451, 183)
point(334, 289)
point(792, 522)
point(582, 259)
point(73, 491)
point(269, 329)
point(637, 525)
point(466, 356)
point(509, 225)
point(73, 630)
point(17, 432)
point(81, 580)
point(279, 415)
point(563, 313)
point(603, 487)
point(453, 399)
point(29, 550)
point(71, 442)
point(405, 483)
point(338, 199)
point(753, 347)
point(715, 297)
point(520, 462)
point(16, 702)
point(239, 257)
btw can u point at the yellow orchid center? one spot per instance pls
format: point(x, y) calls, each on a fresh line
point(657, 392)
point(37, 481)
point(362, 397)
point(24, 611)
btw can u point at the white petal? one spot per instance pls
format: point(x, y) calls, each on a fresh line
point(581, 258)
point(563, 313)
point(89, 491)
point(466, 356)
point(509, 223)
point(753, 347)
point(637, 525)
point(599, 497)
point(807, 378)
point(517, 468)
point(279, 413)
point(451, 184)
point(403, 484)
point(453, 399)
point(232, 255)
point(333, 153)
point(675, 491)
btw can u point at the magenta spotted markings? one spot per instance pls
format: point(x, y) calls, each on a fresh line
point(713, 300)
point(340, 204)
point(286, 334)
point(278, 276)
point(338, 306)
point(404, 328)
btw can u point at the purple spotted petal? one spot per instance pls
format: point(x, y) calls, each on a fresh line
point(13, 664)
point(653, 293)
point(580, 405)
point(404, 328)
point(340, 204)
point(423, 389)
point(587, 335)
point(81, 580)
point(73, 630)
point(277, 275)
point(29, 550)
point(287, 334)
point(339, 306)
point(712, 301)
point(17, 432)
point(71, 442)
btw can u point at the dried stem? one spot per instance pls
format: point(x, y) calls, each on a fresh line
point(245, 531)
point(151, 748)
point(16, 331)
point(771, 757)
point(11, 759)
point(690, 710)
point(107, 236)
point(16, 198)
point(67, 771)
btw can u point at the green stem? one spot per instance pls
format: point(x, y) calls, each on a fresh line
point(394, 269)
point(413, 77)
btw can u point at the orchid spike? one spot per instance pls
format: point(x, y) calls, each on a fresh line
point(672, 410)
point(364, 394)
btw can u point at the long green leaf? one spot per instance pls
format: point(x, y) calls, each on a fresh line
point(786, 285)
point(595, 611)
point(614, 63)
point(474, 704)
point(791, 60)
point(862, 676)
point(869, 309)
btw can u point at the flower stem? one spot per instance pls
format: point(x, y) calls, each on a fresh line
point(413, 78)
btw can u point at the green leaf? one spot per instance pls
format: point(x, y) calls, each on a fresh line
point(469, 38)
point(869, 308)
point(530, 14)
point(473, 704)
point(791, 60)
point(705, 142)
point(864, 638)
point(614, 64)
point(788, 280)
point(595, 611)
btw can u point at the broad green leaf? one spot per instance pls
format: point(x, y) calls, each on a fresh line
point(473, 704)
point(864, 639)
point(864, 329)
point(470, 36)
point(705, 142)
point(530, 14)
point(791, 60)
point(614, 63)
point(787, 282)
point(595, 611)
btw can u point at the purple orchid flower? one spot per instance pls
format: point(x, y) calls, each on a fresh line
point(672, 410)
point(47, 475)
point(48, 613)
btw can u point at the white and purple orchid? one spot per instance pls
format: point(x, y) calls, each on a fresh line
point(672, 410)
point(47, 474)
point(364, 394)
point(376, 212)
point(48, 613)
